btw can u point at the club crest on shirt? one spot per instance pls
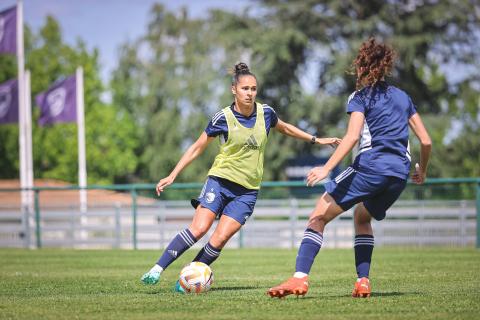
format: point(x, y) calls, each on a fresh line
point(210, 197)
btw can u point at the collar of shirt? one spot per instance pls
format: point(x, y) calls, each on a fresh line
point(238, 114)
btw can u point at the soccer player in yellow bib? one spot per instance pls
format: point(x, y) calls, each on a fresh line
point(231, 189)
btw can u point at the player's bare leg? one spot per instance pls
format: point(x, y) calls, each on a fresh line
point(225, 229)
point(325, 211)
point(201, 222)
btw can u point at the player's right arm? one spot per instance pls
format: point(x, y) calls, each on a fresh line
point(416, 124)
point(191, 154)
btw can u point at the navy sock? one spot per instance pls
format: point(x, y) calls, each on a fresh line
point(311, 244)
point(208, 254)
point(182, 241)
point(363, 254)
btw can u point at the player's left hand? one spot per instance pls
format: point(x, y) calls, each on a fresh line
point(333, 142)
point(164, 183)
point(418, 176)
point(316, 175)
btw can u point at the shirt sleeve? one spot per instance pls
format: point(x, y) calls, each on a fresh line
point(217, 125)
point(271, 117)
point(412, 108)
point(355, 103)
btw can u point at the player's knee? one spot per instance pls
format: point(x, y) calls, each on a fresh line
point(199, 230)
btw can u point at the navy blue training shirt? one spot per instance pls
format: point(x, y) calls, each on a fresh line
point(384, 148)
point(218, 124)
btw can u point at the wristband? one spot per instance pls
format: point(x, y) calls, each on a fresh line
point(313, 140)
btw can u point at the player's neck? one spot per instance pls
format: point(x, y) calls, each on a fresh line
point(245, 110)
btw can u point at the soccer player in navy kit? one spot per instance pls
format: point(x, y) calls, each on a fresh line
point(380, 116)
point(231, 189)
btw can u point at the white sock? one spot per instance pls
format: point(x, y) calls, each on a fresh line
point(156, 268)
point(299, 275)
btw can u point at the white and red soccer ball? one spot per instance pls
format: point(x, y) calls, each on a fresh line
point(196, 277)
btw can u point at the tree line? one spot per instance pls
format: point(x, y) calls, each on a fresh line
point(171, 80)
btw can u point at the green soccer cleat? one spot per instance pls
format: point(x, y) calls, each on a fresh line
point(178, 288)
point(151, 277)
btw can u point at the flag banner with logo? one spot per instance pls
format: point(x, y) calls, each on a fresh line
point(58, 103)
point(9, 101)
point(8, 31)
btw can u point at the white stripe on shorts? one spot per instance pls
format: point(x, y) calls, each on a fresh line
point(344, 174)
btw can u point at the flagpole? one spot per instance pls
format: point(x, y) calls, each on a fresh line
point(82, 163)
point(21, 106)
point(29, 156)
point(28, 130)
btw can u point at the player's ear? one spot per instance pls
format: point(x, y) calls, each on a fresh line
point(234, 90)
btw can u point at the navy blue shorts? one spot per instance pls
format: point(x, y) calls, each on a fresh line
point(377, 193)
point(229, 198)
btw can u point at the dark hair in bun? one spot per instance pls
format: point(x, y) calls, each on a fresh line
point(240, 69)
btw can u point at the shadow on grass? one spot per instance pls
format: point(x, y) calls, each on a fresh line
point(378, 294)
point(238, 288)
point(293, 298)
point(235, 288)
point(393, 294)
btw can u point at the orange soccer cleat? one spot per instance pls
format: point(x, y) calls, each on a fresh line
point(296, 286)
point(362, 288)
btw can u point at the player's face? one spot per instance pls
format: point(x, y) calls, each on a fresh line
point(245, 91)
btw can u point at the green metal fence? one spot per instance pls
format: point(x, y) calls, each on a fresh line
point(433, 188)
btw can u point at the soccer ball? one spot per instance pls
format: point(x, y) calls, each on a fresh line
point(196, 277)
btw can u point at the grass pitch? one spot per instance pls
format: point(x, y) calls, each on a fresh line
point(433, 283)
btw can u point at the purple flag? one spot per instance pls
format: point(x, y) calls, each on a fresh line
point(58, 103)
point(9, 101)
point(8, 31)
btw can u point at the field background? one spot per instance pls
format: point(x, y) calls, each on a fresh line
point(433, 283)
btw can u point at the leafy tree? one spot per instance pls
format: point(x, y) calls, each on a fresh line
point(301, 53)
point(175, 86)
point(431, 38)
point(110, 136)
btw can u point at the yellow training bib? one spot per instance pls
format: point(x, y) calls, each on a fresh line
point(241, 157)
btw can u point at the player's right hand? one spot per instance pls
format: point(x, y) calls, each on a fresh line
point(163, 183)
point(418, 176)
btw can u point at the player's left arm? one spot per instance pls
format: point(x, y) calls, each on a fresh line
point(292, 131)
point(350, 139)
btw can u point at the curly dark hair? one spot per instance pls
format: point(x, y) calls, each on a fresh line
point(374, 61)
point(239, 70)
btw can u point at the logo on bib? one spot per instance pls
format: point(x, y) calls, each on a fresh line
point(251, 143)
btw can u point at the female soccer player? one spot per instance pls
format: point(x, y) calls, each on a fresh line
point(231, 189)
point(380, 115)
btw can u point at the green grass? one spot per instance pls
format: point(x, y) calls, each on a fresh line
point(433, 283)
